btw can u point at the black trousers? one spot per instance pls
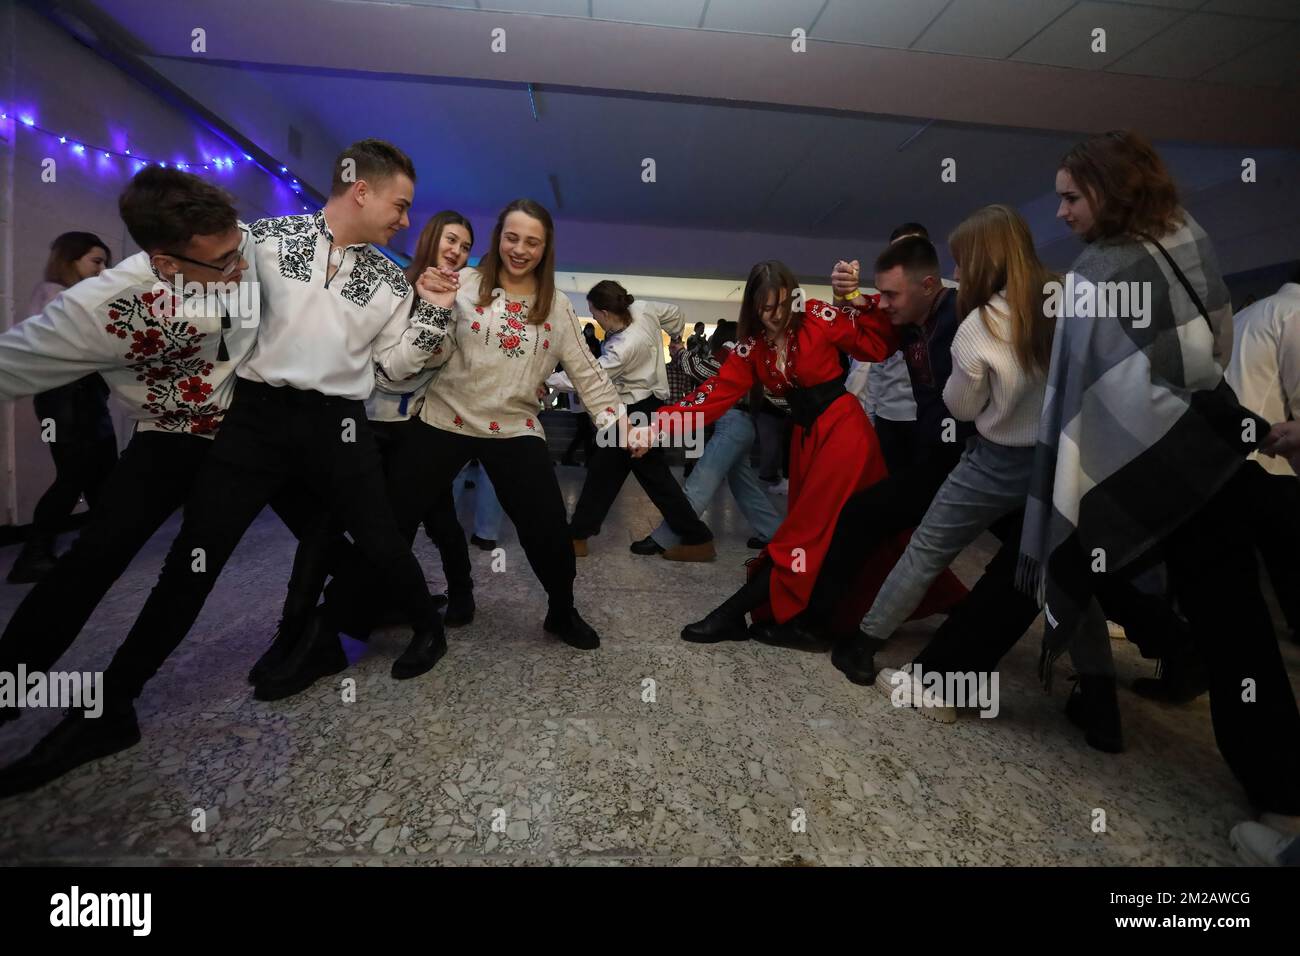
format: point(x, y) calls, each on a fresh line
point(608, 468)
point(152, 479)
point(1276, 512)
point(318, 555)
point(897, 443)
point(272, 440)
point(84, 450)
point(875, 514)
point(520, 469)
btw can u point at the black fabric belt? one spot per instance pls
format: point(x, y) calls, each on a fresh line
point(806, 404)
point(249, 390)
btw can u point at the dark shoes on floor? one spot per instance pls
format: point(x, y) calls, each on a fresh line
point(647, 546)
point(483, 544)
point(34, 561)
point(797, 634)
point(1094, 707)
point(854, 656)
point(460, 609)
point(77, 740)
point(317, 653)
point(424, 651)
point(756, 543)
point(569, 627)
point(717, 627)
point(1180, 679)
point(285, 637)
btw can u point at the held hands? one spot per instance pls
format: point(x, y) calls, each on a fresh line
point(845, 277)
point(1283, 441)
point(438, 286)
point(640, 440)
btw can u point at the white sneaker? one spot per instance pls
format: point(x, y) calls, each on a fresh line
point(1259, 845)
point(887, 683)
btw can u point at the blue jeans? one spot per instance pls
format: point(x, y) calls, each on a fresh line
point(487, 509)
point(726, 457)
point(989, 481)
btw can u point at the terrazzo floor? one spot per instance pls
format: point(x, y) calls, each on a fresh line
point(517, 750)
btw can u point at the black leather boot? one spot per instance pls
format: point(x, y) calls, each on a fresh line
point(286, 635)
point(800, 633)
point(1180, 679)
point(460, 609)
point(77, 740)
point(646, 546)
point(424, 651)
point(726, 622)
point(854, 655)
point(1094, 707)
point(318, 653)
point(569, 627)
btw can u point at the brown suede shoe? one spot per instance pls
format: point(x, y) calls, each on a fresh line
point(691, 552)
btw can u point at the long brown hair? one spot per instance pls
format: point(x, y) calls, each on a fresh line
point(767, 279)
point(1126, 183)
point(995, 250)
point(490, 266)
point(426, 249)
point(65, 250)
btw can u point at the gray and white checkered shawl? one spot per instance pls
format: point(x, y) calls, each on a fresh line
point(1138, 429)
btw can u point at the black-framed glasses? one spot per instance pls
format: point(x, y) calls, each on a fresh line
point(226, 270)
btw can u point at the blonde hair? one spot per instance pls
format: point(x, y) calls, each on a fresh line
point(994, 249)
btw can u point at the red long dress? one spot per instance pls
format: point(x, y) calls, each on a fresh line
point(838, 456)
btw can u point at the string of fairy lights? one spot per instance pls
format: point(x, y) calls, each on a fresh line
point(135, 161)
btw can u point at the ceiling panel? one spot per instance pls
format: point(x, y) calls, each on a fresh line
point(1285, 9)
point(877, 22)
point(1272, 64)
point(772, 17)
point(1195, 45)
point(1068, 41)
point(664, 13)
point(550, 8)
point(989, 28)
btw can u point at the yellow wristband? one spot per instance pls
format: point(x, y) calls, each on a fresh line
point(851, 296)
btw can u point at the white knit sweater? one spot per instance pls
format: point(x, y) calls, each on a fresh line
point(988, 385)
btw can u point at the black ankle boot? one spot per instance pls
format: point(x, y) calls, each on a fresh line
point(286, 635)
point(77, 740)
point(318, 653)
point(647, 546)
point(726, 622)
point(854, 656)
point(569, 627)
point(800, 633)
point(460, 609)
point(1094, 707)
point(34, 561)
point(1180, 679)
point(425, 650)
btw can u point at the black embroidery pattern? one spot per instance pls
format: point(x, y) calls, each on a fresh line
point(369, 271)
point(297, 243)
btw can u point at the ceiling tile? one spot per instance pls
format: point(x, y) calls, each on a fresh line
point(772, 17)
point(1068, 41)
point(1286, 9)
point(1195, 45)
point(989, 28)
point(550, 8)
point(1272, 64)
point(877, 22)
point(666, 13)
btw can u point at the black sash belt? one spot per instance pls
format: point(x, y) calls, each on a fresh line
point(806, 404)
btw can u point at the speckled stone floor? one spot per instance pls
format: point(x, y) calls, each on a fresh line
point(517, 750)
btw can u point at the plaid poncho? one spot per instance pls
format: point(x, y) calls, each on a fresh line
point(1138, 430)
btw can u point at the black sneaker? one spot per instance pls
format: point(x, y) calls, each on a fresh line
point(318, 654)
point(460, 609)
point(424, 651)
point(569, 627)
point(77, 740)
point(646, 545)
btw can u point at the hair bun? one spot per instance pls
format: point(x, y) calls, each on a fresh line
point(627, 300)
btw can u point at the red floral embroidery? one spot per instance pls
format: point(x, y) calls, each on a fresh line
point(478, 309)
point(474, 326)
point(458, 422)
point(493, 427)
point(145, 344)
point(514, 306)
point(546, 343)
point(546, 326)
point(528, 423)
point(514, 323)
point(195, 390)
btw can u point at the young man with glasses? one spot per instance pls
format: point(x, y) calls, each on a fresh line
point(332, 309)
